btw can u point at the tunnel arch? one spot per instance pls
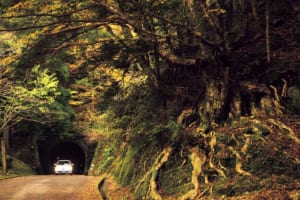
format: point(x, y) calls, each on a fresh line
point(68, 151)
point(77, 148)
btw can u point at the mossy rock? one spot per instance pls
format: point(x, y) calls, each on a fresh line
point(175, 177)
point(237, 185)
point(21, 167)
point(125, 167)
point(262, 161)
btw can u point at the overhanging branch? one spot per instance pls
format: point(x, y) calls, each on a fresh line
point(176, 59)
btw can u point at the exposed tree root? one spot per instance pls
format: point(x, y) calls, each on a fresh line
point(159, 162)
point(218, 170)
point(284, 88)
point(240, 150)
point(239, 159)
point(238, 165)
point(278, 108)
point(198, 159)
point(184, 114)
point(273, 146)
point(282, 126)
point(213, 150)
point(246, 144)
point(212, 144)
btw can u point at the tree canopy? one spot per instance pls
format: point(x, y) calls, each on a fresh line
point(169, 41)
point(169, 78)
point(158, 35)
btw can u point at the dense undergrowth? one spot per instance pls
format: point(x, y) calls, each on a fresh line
point(16, 168)
point(157, 157)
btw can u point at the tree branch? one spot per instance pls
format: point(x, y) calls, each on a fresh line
point(176, 59)
point(47, 14)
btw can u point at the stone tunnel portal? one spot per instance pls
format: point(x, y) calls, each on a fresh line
point(68, 151)
point(49, 153)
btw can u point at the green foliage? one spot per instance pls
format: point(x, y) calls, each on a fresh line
point(142, 193)
point(5, 4)
point(33, 100)
point(265, 161)
point(239, 185)
point(134, 32)
point(21, 167)
point(191, 39)
point(17, 168)
point(59, 67)
point(83, 81)
point(175, 177)
point(107, 158)
point(44, 86)
point(126, 166)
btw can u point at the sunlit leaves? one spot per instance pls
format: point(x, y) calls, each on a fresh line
point(33, 99)
point(9, 49)
point(45, 86)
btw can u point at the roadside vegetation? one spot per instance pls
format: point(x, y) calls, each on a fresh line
point(187, 99)
point(250, 157)
point(16, 168)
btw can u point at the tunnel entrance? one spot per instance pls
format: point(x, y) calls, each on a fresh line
point(50, 152)
point(77, 148)
point(68, 151)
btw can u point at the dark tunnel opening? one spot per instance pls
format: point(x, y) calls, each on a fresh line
point(62, 151)
point(68, 151)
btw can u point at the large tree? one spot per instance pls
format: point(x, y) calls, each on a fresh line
point(212, 60)
point(206, 48)
point(34, 100)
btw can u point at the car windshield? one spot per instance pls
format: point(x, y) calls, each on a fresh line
point(63, 162)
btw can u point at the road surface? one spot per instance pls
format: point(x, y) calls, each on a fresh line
point(50, 187)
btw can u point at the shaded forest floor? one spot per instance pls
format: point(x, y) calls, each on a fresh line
point(270, 166)
point(112, 190)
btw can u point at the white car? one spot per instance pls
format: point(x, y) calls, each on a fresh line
point(63, 167)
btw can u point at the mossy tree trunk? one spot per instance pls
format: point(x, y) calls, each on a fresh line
point(213, 107)
point(4, 147)
point(225, 99)
point(3, 155)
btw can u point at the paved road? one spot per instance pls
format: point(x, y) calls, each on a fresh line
point(51, 187)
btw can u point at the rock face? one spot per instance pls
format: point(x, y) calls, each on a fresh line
point(294, 97)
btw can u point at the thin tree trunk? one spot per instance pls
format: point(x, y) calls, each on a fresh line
point(254, 12)
point(268, 31)
point(3, 155)
point(6, 139)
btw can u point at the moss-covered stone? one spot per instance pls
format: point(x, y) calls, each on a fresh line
point(176, 179)
point(236, 186)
